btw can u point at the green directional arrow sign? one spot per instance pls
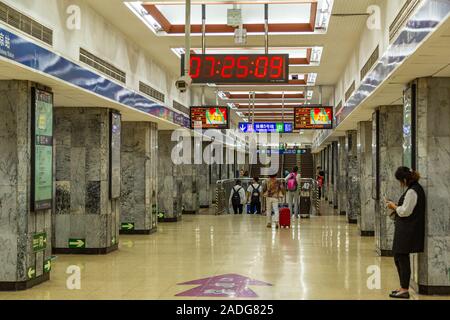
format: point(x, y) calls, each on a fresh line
point(280, 127)
point(39, 241)
point(47, 265)
point(77, 243)
point(161, 215)
point(127, 226)
point(31, 272)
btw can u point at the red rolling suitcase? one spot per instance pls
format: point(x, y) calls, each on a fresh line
point(285, 217)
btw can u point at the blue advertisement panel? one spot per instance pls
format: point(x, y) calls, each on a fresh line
point(266, 127)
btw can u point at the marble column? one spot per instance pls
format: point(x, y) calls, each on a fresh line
point(204, 186)
point(366, 218)
point(431, 269)
point(21, 266)
point(169, 180)
point(330, 188)
point(353, 181)
point(139, 164)
point(390, 158)
point(215, 175)
point(342, 178)
point(189, 188)
point(335, 176)
point(86, 219)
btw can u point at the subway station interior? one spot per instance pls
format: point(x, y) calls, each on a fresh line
point(210, 149)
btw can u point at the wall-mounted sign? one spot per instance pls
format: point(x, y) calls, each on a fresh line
point(238, 68)
point(266, 127)
point(210, 117)
point(311, 117)
point(115, 131)
point(42, 150)
point(39, 241)
point(77, 243)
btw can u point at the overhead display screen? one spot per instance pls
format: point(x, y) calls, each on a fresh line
point(238, 68)
point(210, 117)
point(313, 118)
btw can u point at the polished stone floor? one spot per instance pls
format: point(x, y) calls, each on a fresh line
point(319, 258)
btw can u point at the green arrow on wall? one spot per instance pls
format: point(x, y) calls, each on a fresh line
point(31, 273)
point(77, 243)
point(47, 266)
point(127, 226)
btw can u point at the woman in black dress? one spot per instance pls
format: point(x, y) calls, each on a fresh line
point(409, 236)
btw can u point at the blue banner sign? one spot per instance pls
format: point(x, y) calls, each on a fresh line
point(266, 127)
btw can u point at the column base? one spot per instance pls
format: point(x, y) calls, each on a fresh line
point(335, 207)
point(206, 206)
point(138, 231)
point(342, 213)
point(93, 251)
point(434, 290)
point(367, 233)
point(172, 219)
point(385, 253)
point(352, 221)
point(190, 212)
point(23, 285)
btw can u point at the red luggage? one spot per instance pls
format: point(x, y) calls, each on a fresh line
point(285, 217)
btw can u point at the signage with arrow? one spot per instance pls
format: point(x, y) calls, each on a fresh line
point(226, 285)
point(77, 243)
point(39, 241)
point(127, 226)
point(47, 265)
point(31, 273)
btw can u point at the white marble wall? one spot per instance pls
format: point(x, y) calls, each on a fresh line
point(139, 175)
point(335, 159)
point(342, 180)
point(169, 178)
point(391, 151)
point(433, 158)
point(353, 180)
point(366, 219)
point(17, 223)
point(84, 209)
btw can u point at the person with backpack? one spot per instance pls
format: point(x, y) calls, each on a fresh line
point(273, 191)
point(292, 183)
point(237, 197)
point(254, 192)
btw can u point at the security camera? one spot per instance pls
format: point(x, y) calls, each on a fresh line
point(183, 83)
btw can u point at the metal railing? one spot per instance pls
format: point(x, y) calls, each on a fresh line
point(308, 188)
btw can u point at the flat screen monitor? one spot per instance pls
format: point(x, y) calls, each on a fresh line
point(210, 117)
point(313, 117)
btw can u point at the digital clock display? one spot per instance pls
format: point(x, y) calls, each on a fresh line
point(238, 68)
point(313, 118)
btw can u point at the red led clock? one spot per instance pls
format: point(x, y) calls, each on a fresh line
point(238, 68)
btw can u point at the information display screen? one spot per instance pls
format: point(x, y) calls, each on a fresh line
point(210, 117)
point(42, 153)
point(239, 68)
point(313, 118)
point(266, 127)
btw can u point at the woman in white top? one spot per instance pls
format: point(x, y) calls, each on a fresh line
point(409, 235)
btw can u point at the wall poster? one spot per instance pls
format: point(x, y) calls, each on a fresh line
point(114, 154)
point(42, 150)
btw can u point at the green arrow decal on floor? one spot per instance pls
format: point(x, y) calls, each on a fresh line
point(127, 226)
point(47, 266)
point(77, 243)
point(31, 273)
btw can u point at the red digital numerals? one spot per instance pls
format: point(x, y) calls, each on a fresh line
point(240, 68)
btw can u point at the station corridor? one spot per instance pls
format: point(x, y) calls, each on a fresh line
point(318, 258)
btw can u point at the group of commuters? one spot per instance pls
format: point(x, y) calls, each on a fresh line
point(408, 213)
point(274, 192)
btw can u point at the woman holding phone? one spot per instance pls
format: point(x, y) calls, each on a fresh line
point(409, 235)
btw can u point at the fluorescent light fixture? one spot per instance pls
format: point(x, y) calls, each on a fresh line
point(232, 106)
point(137, 8)
point(324, 10)
point(312, 78)
point(316, 55)
point(310, 94)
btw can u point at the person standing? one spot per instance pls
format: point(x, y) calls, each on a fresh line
point(254, 192)
point(292, 182)
point(320, 180)
point(237, 197)
point(409, 235)
point(273, 191)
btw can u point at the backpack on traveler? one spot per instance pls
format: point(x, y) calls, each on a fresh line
point(292, 184)
point(236, 197)
point(255, 193)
